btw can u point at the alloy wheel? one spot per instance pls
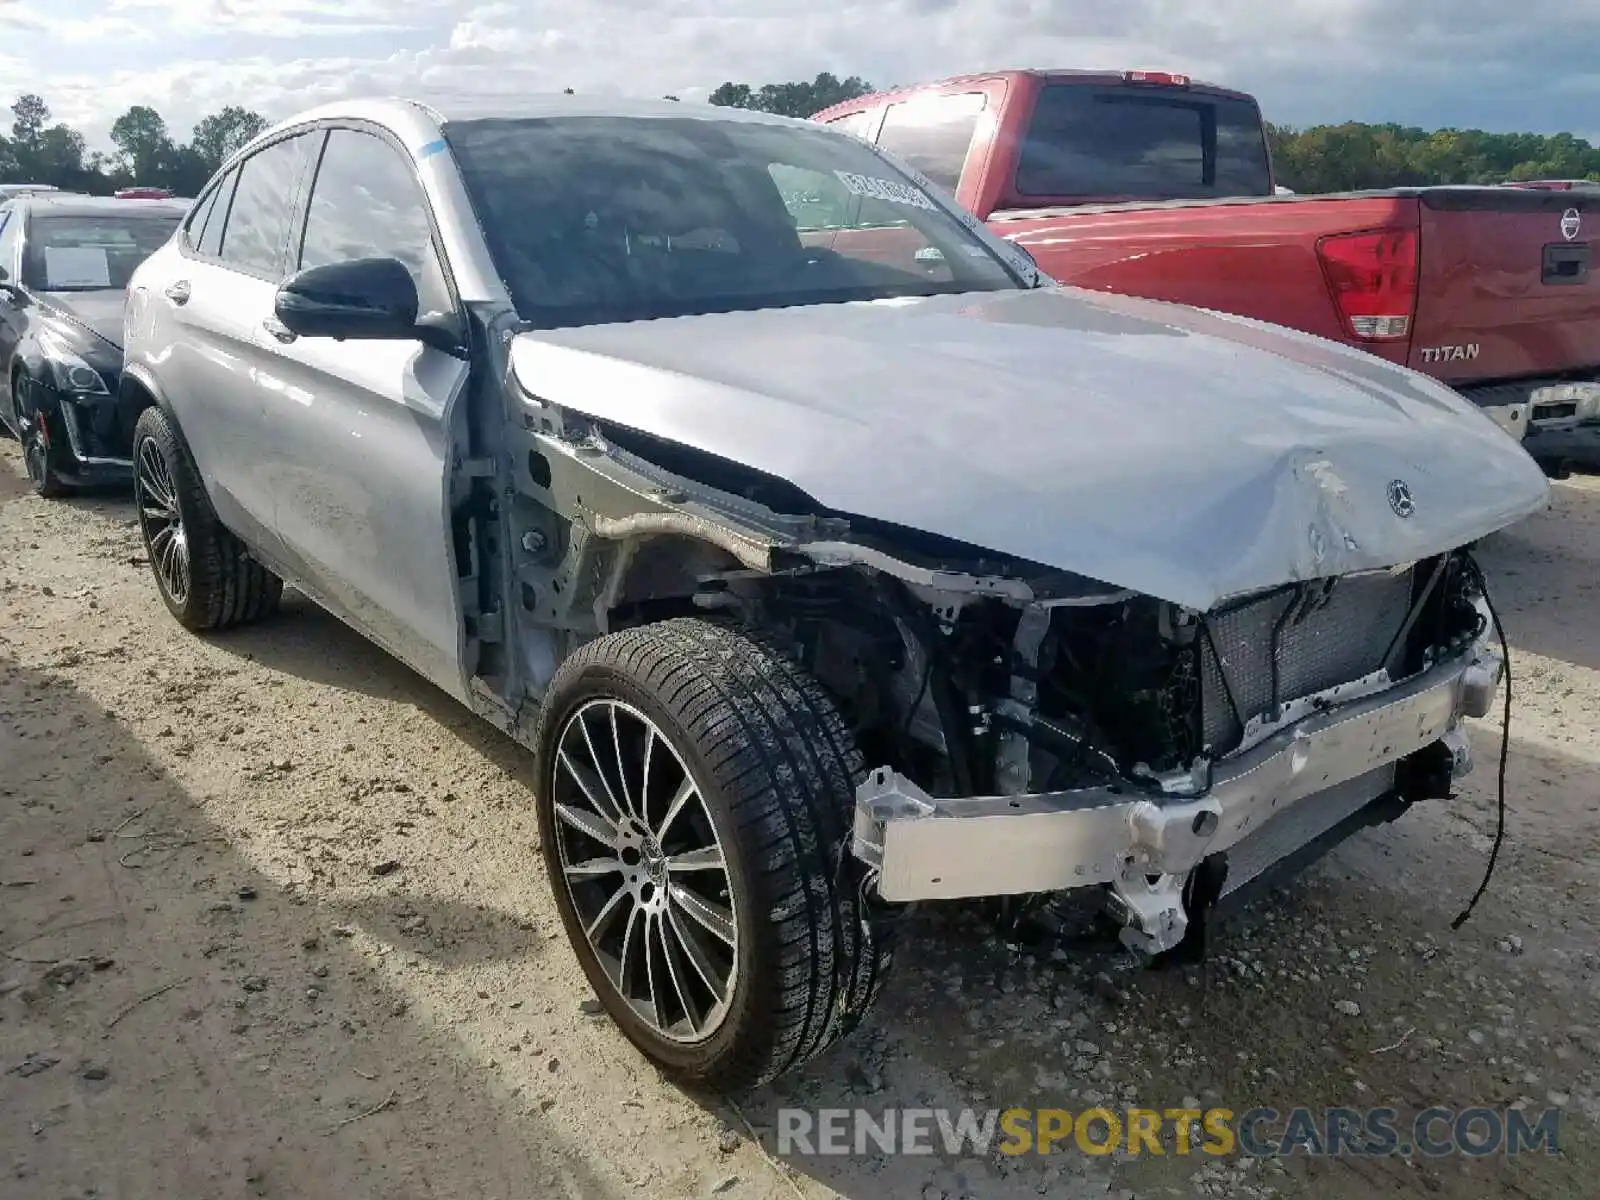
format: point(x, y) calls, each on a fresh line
point(161, 522)
point(35, 455)
point(645, 870)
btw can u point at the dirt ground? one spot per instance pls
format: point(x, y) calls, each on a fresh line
point(272, 923)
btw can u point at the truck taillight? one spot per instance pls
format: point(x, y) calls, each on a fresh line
point(1162, 77)
point(1373, 278)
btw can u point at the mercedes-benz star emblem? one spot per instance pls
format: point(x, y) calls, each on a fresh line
point(1571, 224)
point(1401, 499)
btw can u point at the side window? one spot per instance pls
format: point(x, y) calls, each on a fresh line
point(263, 207)
point(195, 227)
point(10, 235)
point(367, 203)
point(933, 134)
point(209, 243)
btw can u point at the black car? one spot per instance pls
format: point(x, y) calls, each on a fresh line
point(65, 262)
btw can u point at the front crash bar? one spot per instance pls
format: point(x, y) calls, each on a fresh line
point(922, 848)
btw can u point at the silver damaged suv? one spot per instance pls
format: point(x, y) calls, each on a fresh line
point(827, 557)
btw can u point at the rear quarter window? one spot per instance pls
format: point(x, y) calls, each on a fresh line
point(208, 237)
point(195, 227)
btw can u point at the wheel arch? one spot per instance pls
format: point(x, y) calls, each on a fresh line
point(668, 567)
point(137, 390)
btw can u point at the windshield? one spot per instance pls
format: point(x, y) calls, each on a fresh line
point(91, 253)
point(1140, 143)
point(593, 219)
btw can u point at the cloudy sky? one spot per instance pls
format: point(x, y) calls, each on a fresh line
point(1526, 65)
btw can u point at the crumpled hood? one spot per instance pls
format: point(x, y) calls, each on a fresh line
point(1177, 452)
point(98, 312)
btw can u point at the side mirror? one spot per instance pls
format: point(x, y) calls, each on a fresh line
point(368, 298)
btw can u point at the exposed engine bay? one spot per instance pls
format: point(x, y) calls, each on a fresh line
point(1131, 740)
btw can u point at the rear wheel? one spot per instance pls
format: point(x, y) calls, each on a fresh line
point(203, 572)
point(696, 788)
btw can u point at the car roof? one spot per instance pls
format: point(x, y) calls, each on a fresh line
point(399, 112)
point(67, 204)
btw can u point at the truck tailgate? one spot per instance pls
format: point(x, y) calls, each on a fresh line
point(1506, 287)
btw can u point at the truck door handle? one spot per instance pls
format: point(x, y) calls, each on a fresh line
point(178, 292)
point(279, 330)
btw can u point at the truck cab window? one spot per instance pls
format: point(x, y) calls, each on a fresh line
point(858, 124)
point(934, 133)
point(1158, 144)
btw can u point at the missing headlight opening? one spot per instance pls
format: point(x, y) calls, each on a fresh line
point(1163, 756)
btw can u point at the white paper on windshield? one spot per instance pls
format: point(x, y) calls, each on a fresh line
point(76, 266)
point(885, 189)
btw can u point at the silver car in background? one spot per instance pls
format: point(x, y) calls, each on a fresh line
point(827, 556)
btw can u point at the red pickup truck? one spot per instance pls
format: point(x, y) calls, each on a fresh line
point(1152, 184)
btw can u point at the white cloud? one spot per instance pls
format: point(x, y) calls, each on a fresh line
point(268, 18)
point(1463, 62)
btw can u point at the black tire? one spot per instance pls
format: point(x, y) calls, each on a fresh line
point(776, 767)
point(224, 585)
point(33, 432)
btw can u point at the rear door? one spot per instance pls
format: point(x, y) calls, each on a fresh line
point(354, 442)
point(1509, 287)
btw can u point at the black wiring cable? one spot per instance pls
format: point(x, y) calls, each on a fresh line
point(1505, 753)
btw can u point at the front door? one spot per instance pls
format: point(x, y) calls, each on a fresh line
point(355, 442)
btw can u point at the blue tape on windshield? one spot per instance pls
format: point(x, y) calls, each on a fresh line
point(430, 149)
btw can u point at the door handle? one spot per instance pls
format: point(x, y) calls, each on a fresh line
point(278, 329)
point(178, 292)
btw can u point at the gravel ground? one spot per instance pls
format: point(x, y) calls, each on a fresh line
point(272, 924)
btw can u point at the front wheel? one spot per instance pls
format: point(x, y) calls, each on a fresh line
point(204, 573)
point(696, 789)
point(33, 431)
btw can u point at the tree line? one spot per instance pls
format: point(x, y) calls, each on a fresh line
point(1322, 158)
point(1337, 158)
point(41, 150)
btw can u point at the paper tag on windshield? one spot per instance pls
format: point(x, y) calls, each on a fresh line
point(885, 189)
point(76, 266)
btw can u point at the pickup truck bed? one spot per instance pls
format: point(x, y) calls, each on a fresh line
point(1489, 289)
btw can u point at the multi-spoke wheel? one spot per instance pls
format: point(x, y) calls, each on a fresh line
point(204, 574)
point(696, 788)
point(645, 869)
point(160, 521)
point(33, 430)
